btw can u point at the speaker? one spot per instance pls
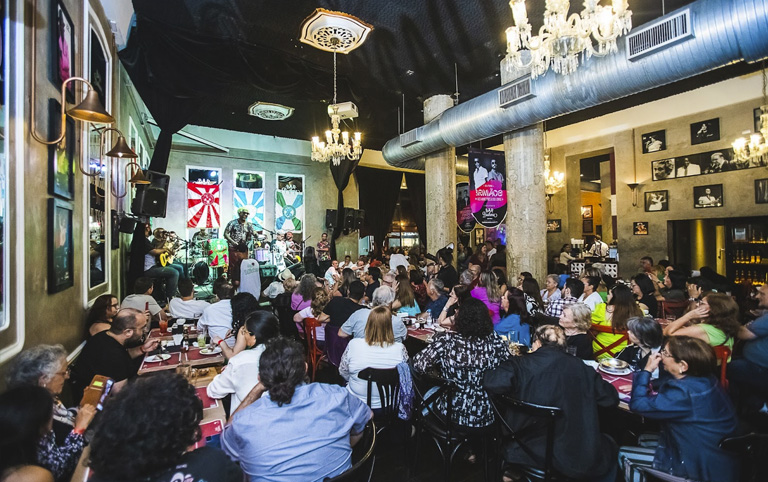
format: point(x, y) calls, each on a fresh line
point(330, 218)
point(359, 218)
point(127, 225)
point(151, 199)
point(349, 218)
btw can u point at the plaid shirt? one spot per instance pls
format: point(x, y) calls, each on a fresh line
point(555, 307)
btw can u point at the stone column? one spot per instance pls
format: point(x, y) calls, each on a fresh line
point(440, 179)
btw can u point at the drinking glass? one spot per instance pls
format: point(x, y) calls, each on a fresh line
point(177, 338)
point(201, 340)
point(163, 326)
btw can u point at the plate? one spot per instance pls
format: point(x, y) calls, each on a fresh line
point(618, 372)
point(207, 351)
point(439, 329)
point(158, 358)
point(613, 364)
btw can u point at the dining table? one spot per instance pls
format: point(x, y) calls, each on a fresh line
point(192, 357)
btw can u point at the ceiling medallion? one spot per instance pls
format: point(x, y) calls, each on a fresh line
point(269, 111)
point(334, 31)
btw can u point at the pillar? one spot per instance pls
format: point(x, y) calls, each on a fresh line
point(440, 183)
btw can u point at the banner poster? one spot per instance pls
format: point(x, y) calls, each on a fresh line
point(203, 205)
point(487, 186)
point(464, 217)
point(248, 192)
point(289, 203)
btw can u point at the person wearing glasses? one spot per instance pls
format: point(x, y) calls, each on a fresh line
point(100, 315)
point(62, 443)
point(694, 411)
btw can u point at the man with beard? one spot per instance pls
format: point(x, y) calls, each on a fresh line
point(111, 353)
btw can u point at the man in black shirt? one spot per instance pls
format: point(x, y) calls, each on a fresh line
point(107, 353)
point(339, 308)
point(447, 273)
point(373, 282)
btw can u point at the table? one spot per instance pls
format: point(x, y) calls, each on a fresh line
point(622, 384)
point(422, 334)
point(192, 358)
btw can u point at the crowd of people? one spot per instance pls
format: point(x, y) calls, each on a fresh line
point(564, 326)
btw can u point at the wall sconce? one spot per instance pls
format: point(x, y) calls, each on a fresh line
point(633, 186)
point(121, 150)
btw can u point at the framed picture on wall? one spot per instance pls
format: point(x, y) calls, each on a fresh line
point(710, 196)
point(640, 228)
point(61, 157)
point(554, 225)
point(656, 201)
point(98, 68)
point(479, 236)
point(705, 131)
point(654, 141)
point(761, 191)
point(60, 246)
point(586, 211)
point(586, 226)
point(663, 169)
point(63, 35)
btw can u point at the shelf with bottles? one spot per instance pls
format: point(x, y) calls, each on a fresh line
point(748, 256)
point(749, 234)
point(750, 276)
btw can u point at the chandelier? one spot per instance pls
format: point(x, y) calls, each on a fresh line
point(553, 182)
point(757, 146)
point(562, 39)
point(332, 149)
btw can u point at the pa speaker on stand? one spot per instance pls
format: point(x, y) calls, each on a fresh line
point(152, 199)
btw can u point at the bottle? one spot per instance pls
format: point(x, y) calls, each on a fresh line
point(185, 342)
point(758, 258)
point(429, 317)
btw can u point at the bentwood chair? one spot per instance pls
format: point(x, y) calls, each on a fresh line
point(610, 348)
point(363, 458)
point(387, 382)
point(314, 354)
point(752, 449)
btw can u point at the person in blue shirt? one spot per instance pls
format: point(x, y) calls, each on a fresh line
point(749, 374)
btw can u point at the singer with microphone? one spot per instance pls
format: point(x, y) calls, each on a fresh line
point(238, 233)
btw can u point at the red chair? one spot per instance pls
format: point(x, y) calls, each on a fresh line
point(314, 354)
point(594, 330)
point(674, 308)
point(722, 353)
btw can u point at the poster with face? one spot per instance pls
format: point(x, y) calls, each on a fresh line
point(487, 186)
point(464, 217)
point(64, 40)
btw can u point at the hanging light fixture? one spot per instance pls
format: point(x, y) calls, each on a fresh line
point(337, 143)
point(562, 39)
point(554, 182)
point(746, 150)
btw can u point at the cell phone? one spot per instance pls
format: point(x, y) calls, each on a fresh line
point(96, 392)
point(104, 394)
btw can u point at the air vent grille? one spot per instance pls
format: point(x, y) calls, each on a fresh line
point(661, 35)
point(411, 137)
point(515, 92)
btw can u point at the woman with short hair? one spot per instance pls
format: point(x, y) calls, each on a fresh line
point(575, 321)
point(99, 317)
point(377, 350)
point(645, 335)
point(25, 414)
point(551, 291)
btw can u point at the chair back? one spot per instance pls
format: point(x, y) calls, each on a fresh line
point(387, 382)
point(722, 353)
point(503, 404)
point(422, 384)
point(314, 354)
point(594, 330)
point(285, 316)
point(752, 449)
point(363, 459)
point(673, 308)
point(334, 344)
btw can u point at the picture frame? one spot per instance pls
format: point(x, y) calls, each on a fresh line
point(587, 226)
point(640, 228)
point(655, 141)
point(705, 131)
point(656, 201)
point(479, 235)
point(63, 48)
point(586, 211)
point(554, 225)
point(98, 68)
point(761, 191)
point(663, 169)
point(709, 196)
point(61, 157)
point(60, 245)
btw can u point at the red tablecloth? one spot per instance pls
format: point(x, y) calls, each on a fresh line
point(173, 361)
point(208, 402)
point(622, 384)
point(209, 429)
point(194, 354)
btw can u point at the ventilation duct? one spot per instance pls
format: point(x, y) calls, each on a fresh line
point(515, 92)
point(670, 30)
point(726, 31)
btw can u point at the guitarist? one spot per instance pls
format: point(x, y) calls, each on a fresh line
point(238, 233)
point(151, 251)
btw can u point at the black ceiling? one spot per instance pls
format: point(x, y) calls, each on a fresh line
point(204, 62)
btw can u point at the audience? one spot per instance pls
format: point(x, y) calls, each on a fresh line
point(339, 309)
point(243, 304)
point(715, 321)
point(357, 321)
point(217, 318)
point(551, 292)
point(749, 374)
point(516, 317)
point(437, 298)
point(302, 296)
point(590, 296)
point(571, 293)
point(575, 321)
point(644, 290)
point(447, 273)
point(99, 318)
point(372, 277)
point(419, 288)
point(645, 337)
point(620, 308)
point(320, 299)
point(25, 418)
point(533, 301)
point(459, 293)
point(187, 306)
point(674, 286)
point(405, 299)
point(142, 299)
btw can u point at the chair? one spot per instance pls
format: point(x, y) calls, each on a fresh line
point(363, 459)
point(334, 344)
point(594, 330)
point(314, 354)
point(752, 448)
point(387, 382)
point(722, 353)
point(673, 308)
point(653, 475)
point(285, 316)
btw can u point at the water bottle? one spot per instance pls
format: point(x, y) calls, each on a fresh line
point(429, 318)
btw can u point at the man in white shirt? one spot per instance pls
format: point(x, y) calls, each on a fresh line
point(355, 324)
point(590, 297)
point(142, 299)
point(332, 273)
point(599, 249)
point(688, 169)
point(187, 306)
point(397, 259)
point(217, 318)
point(480, 175)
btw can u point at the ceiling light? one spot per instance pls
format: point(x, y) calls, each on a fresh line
point(334, 31)
point(270, 111)
point(745, 151)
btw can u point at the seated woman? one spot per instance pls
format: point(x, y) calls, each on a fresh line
point(501, 280)
point(320, 298)
point(551, 291)
point(405, 299)
point(533, 301)
point(515, 317)
point(463, 356)
point(61, 445)
point(459, 293)
point(25, 414)
point(419, 288)
point(715, 321)
point(145, 433)
point(99, 317)
point(575, 320)
point(645, 336)
point(302, 296)
point(487, 291)
point(242, 371)
point(693, 410)
point(674, 286)
point(377, 350)
point(644, 290)
point(620, 308)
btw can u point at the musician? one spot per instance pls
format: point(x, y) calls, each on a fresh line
point(152, 269)
point(292, 248)
point(279, 249)
point(168, 241)
point(238, 233)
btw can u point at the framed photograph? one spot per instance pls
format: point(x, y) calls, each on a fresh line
point(654, 141)
point(479, 236)
point(756, 119)
point(710, 196)
point(705, 131)
point(586, 226)
point(656, 201)
point(61, 157)
point(586, 211)
point(687, 166)
point(761, 191)
point(98, 68)
point(721, 160)
point(640, 228)
point(60, 246)
point(63, 35)
point(663, 169)
point(554, 225)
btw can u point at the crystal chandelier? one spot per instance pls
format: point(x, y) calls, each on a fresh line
point(553, 182)
point(757, 146)
point(561, 39)
point(332, 149)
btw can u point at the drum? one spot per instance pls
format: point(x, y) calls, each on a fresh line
point(200, 273)
point(262, 255)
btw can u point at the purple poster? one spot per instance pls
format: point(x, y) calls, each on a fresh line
point(487, 187)
point(464, 217)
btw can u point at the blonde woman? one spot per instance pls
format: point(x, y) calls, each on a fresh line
point(487, 291)
point(575, 320)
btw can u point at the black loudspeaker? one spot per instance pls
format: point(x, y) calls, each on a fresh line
point(127, 225)
point(330, 218)
point(359, 218)
point(151, 199)
point(349, 218)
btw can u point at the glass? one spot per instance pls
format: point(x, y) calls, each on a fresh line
point(665, 353)
point(201, 339)
point(163, 326)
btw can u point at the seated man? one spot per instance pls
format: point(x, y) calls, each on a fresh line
point(187, 306)
point(111, 352)
point(437, 297)
point(570, 294)
point(339, 309)
point(217, 318)
point(372, 282)
point(286, 429)
point(142, 299)
point(580, 451)
point(355, 325)
point(152, 269)
point(750, 372)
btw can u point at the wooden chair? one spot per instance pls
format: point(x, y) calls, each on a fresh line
point(752, 449)
point(363, 459)
point(722, 353)
point(387, 382)
point(594, 330)
point(674, 308)
point(314, 354)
